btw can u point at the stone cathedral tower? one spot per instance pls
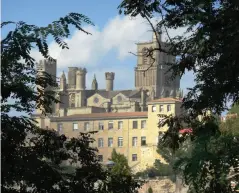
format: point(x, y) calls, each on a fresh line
point(152, 75)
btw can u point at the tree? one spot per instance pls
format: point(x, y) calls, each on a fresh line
point(208, 50)
point(121, 177)
point(234, 109)
point(34, 159)
point(150, 190)
point(121, 164)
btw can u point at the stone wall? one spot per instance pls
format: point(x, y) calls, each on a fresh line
point(163, 185)
point(158, 186)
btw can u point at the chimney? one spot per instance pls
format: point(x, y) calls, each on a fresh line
point(109, 76)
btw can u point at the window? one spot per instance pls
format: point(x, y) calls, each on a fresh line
point(143, 141)
point(75, 126)
point(144, 54)
point(120, 141)
point(96, 100)
point(100, 142)
point(119, 99)
point(120, 124)
point(101, 126)
point(110, 125)
point(135, 124)
point(134, 141)
point(100, 158)
point(59, 127)
point(110, 142)
point(143, 124)
point(87, 126)
point(168, 108)
point(161, 108)
point(153, 108)
point(134, 157)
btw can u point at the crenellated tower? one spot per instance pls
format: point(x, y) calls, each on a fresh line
point(80, 78)
point(63, 81)
point(80, 98)
point(109, 77)
point(152, 72)
point(49, 67)
point(72, 77)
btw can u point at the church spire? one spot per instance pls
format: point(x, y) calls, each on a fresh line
point(94, 85)
point(63, 76)
point(63, 81)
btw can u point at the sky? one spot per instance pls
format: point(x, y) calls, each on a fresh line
point(106, 50)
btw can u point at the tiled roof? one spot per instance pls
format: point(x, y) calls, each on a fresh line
point(166, 100)
point(123, 114)
point(186, 130)
point(113, 93)
point(103, 116)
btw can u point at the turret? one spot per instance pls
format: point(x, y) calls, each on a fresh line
point(80, 79)
point(94, 85)
point(109, 76)
point(72, 77)
point(63, 81)
point(49, 67)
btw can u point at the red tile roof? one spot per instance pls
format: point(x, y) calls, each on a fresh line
point(186, 130)
point(98, 115)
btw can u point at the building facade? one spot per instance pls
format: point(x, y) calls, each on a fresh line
point(126, 120)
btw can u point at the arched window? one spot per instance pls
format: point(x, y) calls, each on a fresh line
point(72, 100)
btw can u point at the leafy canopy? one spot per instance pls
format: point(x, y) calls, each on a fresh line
point(34, 159)
point(121, 177)
point(209, 50)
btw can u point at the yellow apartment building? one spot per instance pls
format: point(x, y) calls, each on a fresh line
point(134, 134)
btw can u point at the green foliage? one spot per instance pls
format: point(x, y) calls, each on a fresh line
point(159, 170)
point(209, 165)
point(150, 190)
point(121, 164)
point(234, 109)
point(230, 126)
point(34, 159)
point(121, 177)
point(208, 50)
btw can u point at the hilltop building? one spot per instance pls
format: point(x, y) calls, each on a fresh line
point(126, 119)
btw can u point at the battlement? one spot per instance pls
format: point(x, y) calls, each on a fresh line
point(72, 68)
point(45, 64)
point(81, 71)
point(109, 75)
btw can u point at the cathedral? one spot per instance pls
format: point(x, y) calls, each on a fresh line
point(152, 81)
point(126, 120)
